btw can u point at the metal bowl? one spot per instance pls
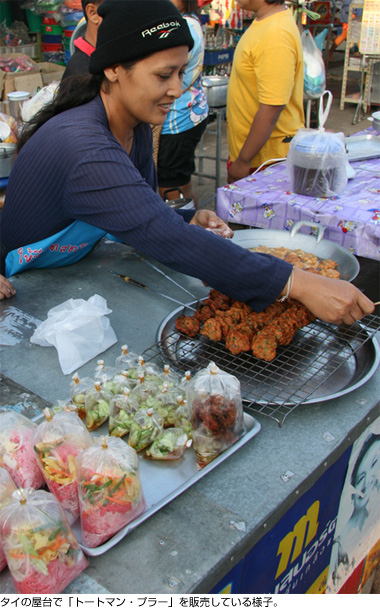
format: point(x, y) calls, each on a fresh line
point(348, 264)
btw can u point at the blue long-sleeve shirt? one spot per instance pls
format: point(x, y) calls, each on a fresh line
point(73, 168)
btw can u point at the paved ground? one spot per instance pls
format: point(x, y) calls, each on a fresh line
point(338, 120)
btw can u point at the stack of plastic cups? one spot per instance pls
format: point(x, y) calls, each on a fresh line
point(52, 48)
point(70, 19)
point(67, 33)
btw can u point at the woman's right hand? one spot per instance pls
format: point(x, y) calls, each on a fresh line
point(6, 288)
point(331, 300)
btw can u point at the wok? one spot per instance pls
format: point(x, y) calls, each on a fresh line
point(348, 264)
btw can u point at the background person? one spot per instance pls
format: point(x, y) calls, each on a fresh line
point(187, 119)
point(265, 91)
point(85, 167)
point(85, 45)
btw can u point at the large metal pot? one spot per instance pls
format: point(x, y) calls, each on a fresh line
point(182, 202)
point(7, 158)
point(215, 88)
point(348, 264)
point(376, 121)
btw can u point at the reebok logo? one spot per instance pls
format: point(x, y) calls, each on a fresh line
point(166, 27)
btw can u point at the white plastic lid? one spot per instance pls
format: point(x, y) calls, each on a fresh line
point(18, 95)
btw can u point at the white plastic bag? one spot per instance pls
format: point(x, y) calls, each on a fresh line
point(43, 97)
point(317, 159)
point(314, 68)
point(79, 331)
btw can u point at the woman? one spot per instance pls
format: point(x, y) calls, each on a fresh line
point(85, 168)
point(187, 119)
point(353, 542)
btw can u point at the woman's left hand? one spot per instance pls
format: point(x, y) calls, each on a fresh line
point(210, 221)
point(6, 288)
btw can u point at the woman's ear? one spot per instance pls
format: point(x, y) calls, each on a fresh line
point(112, 73)
point(92, 14)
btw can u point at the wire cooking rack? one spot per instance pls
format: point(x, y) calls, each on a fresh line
point(301, 371)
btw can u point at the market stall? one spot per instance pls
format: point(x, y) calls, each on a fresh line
point(233, 529)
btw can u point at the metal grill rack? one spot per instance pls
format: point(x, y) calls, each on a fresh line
point(301, 372)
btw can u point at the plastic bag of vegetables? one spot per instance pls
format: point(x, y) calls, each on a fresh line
point(7, 487)
point(42, 552)
point(145, 427)
point(216, 412)
point(169, 445)
point(16, 450)
point(57, 441)
point(110, 491)
point(122, 412)
point(97, 406)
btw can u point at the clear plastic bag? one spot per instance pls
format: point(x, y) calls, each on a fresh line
point(78, 388)
point(169, 445)
point(97, 406)
point(126, 360)
point(317, 159)
point(42, 552)
point(78, 329)
point(314, 68)
point(145, 427)
point(57, 442)
point(16, 450)
point(123, 408)
point(110, 491)
point(7, 487)
point(216, 412)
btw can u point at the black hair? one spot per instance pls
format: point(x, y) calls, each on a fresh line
point(73, 91)
point(371, 439)
point(190, 6)
point(275, 1)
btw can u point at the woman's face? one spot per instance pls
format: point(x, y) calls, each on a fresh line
point(146, 92)
point(367, 475)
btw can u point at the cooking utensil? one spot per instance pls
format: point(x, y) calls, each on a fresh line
point(7, 158)
point(215, 88)
point(362, 147)
point(142, 286)
point(322, 362)
point(166, 276)
point(375, 119)
point(348, 264)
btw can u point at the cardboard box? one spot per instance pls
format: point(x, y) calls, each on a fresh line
point(20, 81)
point(51, 72)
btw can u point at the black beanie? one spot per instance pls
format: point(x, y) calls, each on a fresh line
point(133, 29)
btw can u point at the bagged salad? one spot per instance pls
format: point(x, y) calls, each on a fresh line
point(169, 445)
point(110, 491)
point(145, 427)
point(16, 450)
point(122, 412)
point(42, 552)
point(78, 389)
point(216, 412)
point(7, 487)
point(97, 406)
point(57, 442)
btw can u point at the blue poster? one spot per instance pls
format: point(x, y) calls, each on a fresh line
point(294, 556)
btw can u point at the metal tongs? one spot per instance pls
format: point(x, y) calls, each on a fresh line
point(166, 276)
point(142, 286)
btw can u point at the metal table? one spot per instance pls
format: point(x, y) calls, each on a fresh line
point(202, 536)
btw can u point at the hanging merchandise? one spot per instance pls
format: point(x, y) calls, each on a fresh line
point(314, 67)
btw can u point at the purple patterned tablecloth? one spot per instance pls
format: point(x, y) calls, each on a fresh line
point(351, 219)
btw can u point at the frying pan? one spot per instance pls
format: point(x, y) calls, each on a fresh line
point(348, 264)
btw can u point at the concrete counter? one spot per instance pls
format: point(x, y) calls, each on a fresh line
point(190, 544)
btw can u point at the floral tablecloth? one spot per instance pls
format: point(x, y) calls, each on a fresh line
point(351, 219)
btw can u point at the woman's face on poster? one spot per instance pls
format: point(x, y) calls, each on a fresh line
point(367, 476)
